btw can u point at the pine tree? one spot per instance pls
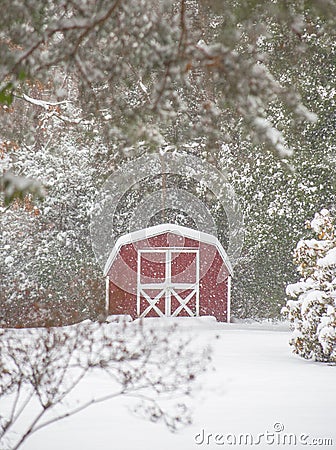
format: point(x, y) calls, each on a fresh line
point(313, 312)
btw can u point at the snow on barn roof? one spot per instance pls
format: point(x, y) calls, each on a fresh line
point(149, 232)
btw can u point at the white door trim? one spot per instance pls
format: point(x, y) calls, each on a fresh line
point(168, 288)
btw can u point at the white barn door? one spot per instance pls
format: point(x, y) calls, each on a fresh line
point(168, 282)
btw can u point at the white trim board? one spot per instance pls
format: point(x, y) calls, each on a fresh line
point(107, 294)
point(228, 299)
point(156, 230)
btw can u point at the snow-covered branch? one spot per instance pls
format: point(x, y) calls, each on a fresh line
point(43, 103)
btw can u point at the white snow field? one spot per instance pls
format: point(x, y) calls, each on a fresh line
point(260, 395)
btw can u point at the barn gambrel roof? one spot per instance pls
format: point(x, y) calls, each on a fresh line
point(156, 230)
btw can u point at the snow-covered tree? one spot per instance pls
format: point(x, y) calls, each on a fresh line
point(313, 310)
point(49, 275)
point(155, 70)
point(166, 74)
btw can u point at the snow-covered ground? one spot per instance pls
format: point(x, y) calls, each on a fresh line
point(257, 387)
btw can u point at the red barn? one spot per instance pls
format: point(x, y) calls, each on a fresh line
point(168, 270)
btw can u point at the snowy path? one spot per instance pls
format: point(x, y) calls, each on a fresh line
point(258, 385)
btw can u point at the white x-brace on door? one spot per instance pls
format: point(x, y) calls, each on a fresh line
point(164, 290)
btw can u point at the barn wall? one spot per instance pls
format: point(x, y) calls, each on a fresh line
point(121, 302)
point(214, 289)
point(213, 280)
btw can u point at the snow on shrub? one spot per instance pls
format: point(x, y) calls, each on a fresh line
point(313, 312)
point(43, 373)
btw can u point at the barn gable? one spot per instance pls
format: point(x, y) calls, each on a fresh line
point(158, 230)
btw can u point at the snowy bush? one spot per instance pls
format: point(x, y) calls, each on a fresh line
point(313, 310)
point(43, 373)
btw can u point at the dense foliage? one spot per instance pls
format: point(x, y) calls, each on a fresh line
point(86, 87)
